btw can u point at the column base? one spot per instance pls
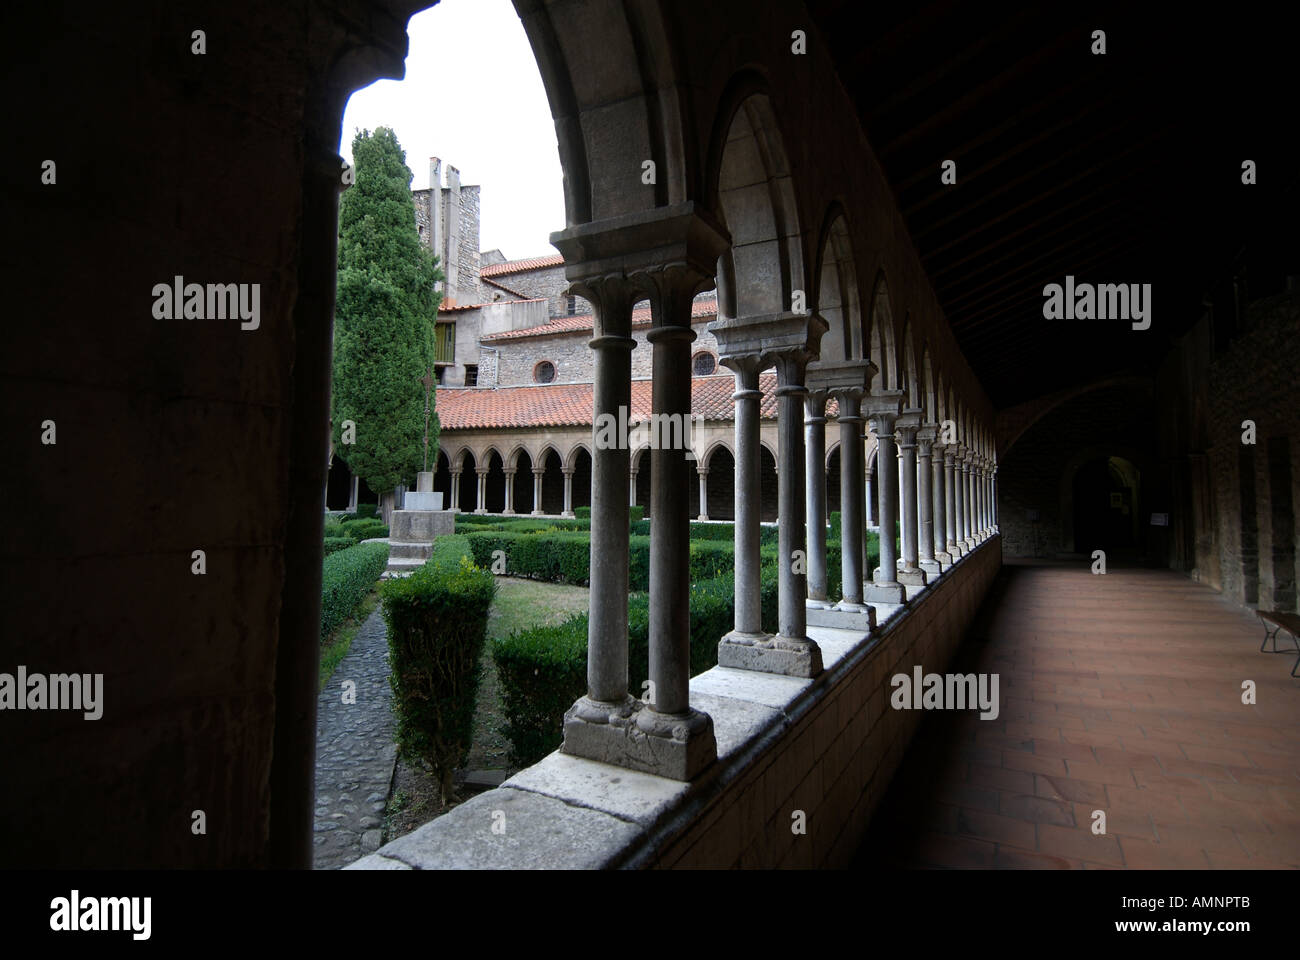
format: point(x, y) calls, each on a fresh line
point(844, 616)
point(818, 603)
point(913, 578)
point(703, 518)
point(536, 513)
point(890, 592)
point(931, 568)
point(943, 559)
point(567, 513)
point(635, 737)
point(957, 550)
point(788, 656)
point(969, 543)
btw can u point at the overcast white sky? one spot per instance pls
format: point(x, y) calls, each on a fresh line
point(473, 96)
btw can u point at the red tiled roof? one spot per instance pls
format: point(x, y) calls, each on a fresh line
point(570, 404)
point(518, 266)
point(584, 321)
point(451, 306)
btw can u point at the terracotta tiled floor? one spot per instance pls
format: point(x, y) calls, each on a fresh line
point(1119, 693)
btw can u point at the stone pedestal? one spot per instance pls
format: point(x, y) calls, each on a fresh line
point(411, 536)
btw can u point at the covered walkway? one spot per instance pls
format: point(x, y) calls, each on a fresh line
point(1120, 693)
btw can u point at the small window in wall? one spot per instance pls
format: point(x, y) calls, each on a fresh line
point(705, 364)
point(544, 372)
point(471, 374)
point(573, 305)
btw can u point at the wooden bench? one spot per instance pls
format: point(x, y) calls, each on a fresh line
point(1289, 622)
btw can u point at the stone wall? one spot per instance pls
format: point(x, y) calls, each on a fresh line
point(573, 357)
point(826, 747)
point(1255, 488)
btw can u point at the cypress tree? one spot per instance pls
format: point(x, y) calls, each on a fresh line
point(384, 319)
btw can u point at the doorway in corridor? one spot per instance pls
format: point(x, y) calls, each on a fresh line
point(1107, 508)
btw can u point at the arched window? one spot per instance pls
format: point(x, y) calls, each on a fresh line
point(544, 372)
point(704, 364)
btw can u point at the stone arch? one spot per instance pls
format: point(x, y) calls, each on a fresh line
point(707, 458)
point(631, 88)
point(753, 196)
point(837, 290)
point(512, 461)
point(884, 353)
point(468, 500)
point(928, 394)
point(571, 458)
point(1139, 460)
point(911, 380)
point(442, 478)
point(494, 487)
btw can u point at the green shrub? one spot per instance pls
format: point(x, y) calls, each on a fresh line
point(437, 624)
point(635, 513)
point(835, 526)
point(583, 513)
point(335, 544)
point(346, 577)
point(640, 527)
point(447, 551)
point(365, 510)
point(361, 529)
point(334, 528)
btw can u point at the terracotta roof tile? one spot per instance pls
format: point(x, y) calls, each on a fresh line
point(570, 404)
point(583, 321)
point(519, 266)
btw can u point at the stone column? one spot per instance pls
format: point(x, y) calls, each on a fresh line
point(455, 491)
point(748, 619)
point(668, 718)
point(568, 492)
point(993, 496)
point(480, 491)
point(669, 253)
point(984, 497)
point(870, 496)
point(815, 495)
point(631, 486)
point(354, 493)
point(510, 492)
point(905, 430)
point(925, 500)
point(882, 412)
point(940, 494)
point(703, 474)
point(538, 473)
point(788, 340)
point(953, 500)
point(967, 496)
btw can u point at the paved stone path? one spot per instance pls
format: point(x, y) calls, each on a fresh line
point(1120, 693)
point(355, 752)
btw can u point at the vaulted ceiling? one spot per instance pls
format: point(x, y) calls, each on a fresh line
point(1122, 168)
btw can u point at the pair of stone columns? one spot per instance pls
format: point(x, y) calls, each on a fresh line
point(668, 254)
point(748, 345)
point(847, 382)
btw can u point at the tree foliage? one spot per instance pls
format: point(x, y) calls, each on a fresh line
point(385, 312)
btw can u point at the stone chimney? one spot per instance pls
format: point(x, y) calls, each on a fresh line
point(451, 262)
point(435, 211)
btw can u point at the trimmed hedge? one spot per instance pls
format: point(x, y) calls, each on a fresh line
point(346, 577)
point(365, 510)
point(335, 544)
point(334, 529)
point(583, 513)
point(437, 625)
point(361, 529)
point(542, 671)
